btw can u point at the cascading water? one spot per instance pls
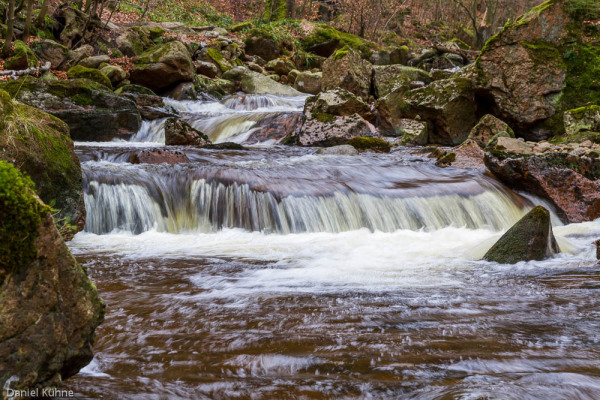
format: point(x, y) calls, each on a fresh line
point(278, 273)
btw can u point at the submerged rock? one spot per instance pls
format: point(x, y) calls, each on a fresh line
point(376, 145)
point(529, 239)
point(49, 308)
point(40, 145)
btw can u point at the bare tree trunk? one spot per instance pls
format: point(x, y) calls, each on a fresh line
point(146, 6)
point(28, 20)
point(10, 21)
point(43, 12)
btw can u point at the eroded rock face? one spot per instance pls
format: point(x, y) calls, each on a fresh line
point(163, 65)
point(447, 105)
point(49, 308)
point(180, 133)
point(529, 239)
point(538, 67)
point(333, 118)
point(41, 146)
point(568, 181)
point(92, 112)
point(347, 70)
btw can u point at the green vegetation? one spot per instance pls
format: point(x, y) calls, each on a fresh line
point(20, 216)
point(324, 34)
point(79, 71)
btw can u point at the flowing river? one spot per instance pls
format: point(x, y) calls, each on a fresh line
point(277, 273)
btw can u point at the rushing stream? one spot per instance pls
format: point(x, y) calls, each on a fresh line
point(277, 273)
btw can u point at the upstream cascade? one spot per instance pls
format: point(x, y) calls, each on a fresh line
point(275, 272)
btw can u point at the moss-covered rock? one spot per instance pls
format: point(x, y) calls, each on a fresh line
point(22, 57)
point(397, 77)
point(447, 105)
point(217, 58)
point(217, 88)
point(81, 72)
point(488, 130)
point(308, 82)
point(281, 66)
point(376, 145)
point(529, 239)
point(135, 89)
point(262, 43)
point(582, 119)
point(92, 111)
point(51, 51)
point(325, 40)
point(254, 83)
point(115, 73)
point(241, 27)
point(347, 70)
point(538, 67)
point(163, 66)
point(49, 308)
point(40, 145)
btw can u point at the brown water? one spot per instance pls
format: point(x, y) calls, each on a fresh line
point(279, 274)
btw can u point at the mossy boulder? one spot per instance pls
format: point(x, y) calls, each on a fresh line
point(49, 308)
point(163, 66)
point(448, 106)
point(94, 61)
point(81, 72)
point(262, 43)
point(49, 50)
point(217, 88)
point(372, 144)
point(488, 130)
point(22, 57)
point(393, 77)
point(281, 66)
point(243, 26)
point(91, 110)
point(345, 69)
point(324, 40)
point(583, 119)
point(254, 83)
point(411, 132)
point(114, 73)
point(218, 59)
point(135, 89)
point(529, 239)
point(308, 82)
point(40, 145)
point(333, 118)
point(539, 66)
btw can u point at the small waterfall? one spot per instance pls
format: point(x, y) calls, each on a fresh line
point(231, 119)
point(183, 202)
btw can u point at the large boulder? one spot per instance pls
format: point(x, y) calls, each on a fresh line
point(529, 239)
point(488, 130)
point(569, 181)
point(93, 112)
point(281, 66)
point(39, 144)
point(49, 50)
point(389, 78)
point(254, 83)
point(81, 72)
point(22, 57)
point(261, 43)
point(447, 105)
point(49, 308)
point(324, 40)
point(308, 82)
point(539, 66)
point(347, 70)
point(163, 66)
point(333, 118)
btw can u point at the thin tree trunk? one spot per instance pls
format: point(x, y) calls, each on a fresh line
point(10, 21)
point(43, 12)
point(146, 9)
point(28, 20)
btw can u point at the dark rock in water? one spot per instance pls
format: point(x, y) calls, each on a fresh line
point(376, 145)
point(158, 156)
point(529, 239)
point(93, 112)
point(49, 308)
point(151, 107)
point(40, 145)
point(569, 182)
point(180, 133)
point(224, 146)
point(275, 128)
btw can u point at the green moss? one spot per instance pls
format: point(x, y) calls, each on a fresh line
point(80, 71)
point(218, 58)
point(370, 144)
point(20, 216)
point(341, 53)
point(21, 55)
point(241, 27)
point(324, 34)
point(542, 52)
point(323, 117)
point(576, 138)
point(137, 89)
